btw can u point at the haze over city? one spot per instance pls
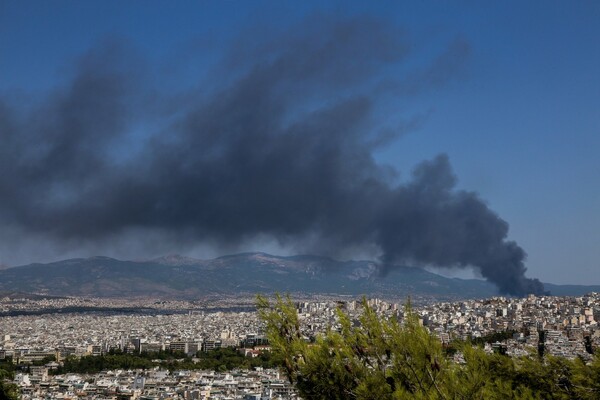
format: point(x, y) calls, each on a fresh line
point(427, 134)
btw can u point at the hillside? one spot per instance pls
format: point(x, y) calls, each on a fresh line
point(248, 273)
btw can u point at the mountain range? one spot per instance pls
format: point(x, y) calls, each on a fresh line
point(178, 277)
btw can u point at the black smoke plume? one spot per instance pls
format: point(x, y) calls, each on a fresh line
point(278, 141)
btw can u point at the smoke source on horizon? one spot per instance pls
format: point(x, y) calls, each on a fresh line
point(278, 140)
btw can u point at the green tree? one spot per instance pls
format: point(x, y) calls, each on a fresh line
point(381, 358)
point(8, 391)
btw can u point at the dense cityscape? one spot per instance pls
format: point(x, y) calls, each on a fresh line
point(420, 177)
point(39, 344)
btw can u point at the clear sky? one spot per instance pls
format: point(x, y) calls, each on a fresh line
point(509, 91)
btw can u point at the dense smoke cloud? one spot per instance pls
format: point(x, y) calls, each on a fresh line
point(279, 142)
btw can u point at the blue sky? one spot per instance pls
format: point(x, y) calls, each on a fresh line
point(520, 123)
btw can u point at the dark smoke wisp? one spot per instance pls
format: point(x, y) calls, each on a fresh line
point(281, 145)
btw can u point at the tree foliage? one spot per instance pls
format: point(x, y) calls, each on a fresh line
point(382, 358)
point(223, 359)
point(8, 391)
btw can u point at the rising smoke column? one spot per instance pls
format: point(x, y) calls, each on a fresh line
point(280, 142)
point(429, 222)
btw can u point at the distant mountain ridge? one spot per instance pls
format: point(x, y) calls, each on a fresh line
point(176, 276)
